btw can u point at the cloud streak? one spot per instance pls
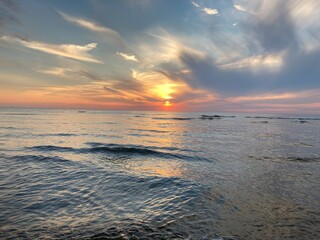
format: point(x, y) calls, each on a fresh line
point(128, 57)
point(93, 26)
point(77, 52)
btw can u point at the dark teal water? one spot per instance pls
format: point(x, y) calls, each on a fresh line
point(68, 174)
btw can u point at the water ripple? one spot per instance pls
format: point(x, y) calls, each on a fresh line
point(118, 149)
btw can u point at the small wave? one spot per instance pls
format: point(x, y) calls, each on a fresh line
point(301, 121)
point(56, 135)
point(286, 118)
point(145, 231)
point(302, 144)
point(36, 158)
point(212, 117)
point(50, 148)
point(178, 119)
point(103, 135)
point(20, 114)
point(288, 159)
point(149, 130)
point(139, 135)
point(97, 144)
point(118, 149)
point(9, 128)
point(260, 122)
point(64, 134)
point(302, 159)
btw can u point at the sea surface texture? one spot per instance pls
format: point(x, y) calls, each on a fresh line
point(69, 174)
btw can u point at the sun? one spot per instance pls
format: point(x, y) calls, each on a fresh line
point(167, 103)
point(164, 91)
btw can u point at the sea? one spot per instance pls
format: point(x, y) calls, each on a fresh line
point(76, 174)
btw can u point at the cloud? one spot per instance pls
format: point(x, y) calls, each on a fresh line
point(92, 26)
point(128, 57)
point(57, 71)
point(210, 11)
point(299, 72)
point(78, 74)
point(240, 8)
point(272, 62)
point(77, 52)
point(196, 4)
point(243, 9)
point(87, 24)
point(275, 30)
point(272, 58)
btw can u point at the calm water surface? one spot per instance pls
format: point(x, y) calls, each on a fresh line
point(69, 174)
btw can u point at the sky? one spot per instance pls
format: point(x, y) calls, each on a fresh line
point(171, 55)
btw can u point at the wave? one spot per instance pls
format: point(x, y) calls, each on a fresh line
point(303, 159)
point(149, 130)
point(212, 117)
point(97, 144)
point(56, 135)
point(20, 114)
point(288, 158)
point(36, 158)
point(51, 148)
point(286, 118)
point(179, 119)
point(98, 148)
point(139, 135)
point(9, 128)
point(259, 122)
point(202, 117)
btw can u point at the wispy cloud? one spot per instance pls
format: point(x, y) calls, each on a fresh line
point(209, 11)
point(77, 52)
point(243, 9)
point(92, 26)
point(257, 63)
point(195, 4)
point(128, 57)
point(57, 71)
point(73, 73)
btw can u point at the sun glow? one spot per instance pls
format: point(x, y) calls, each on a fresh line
point(167, 103)
point(164, 90)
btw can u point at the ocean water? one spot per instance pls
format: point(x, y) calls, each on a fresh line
point(69, 174)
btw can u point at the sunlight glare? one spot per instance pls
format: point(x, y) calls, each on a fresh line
point(167, 103)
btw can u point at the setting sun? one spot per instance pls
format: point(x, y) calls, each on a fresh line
point(165, 90)
point(167, 103)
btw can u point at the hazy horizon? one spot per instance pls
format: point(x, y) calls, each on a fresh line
point(255, 113)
